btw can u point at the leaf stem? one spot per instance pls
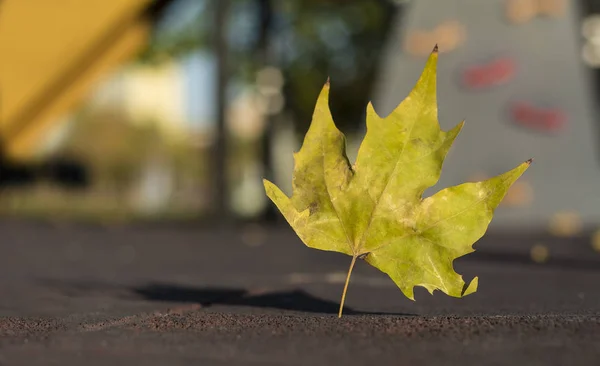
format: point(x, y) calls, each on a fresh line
point(346, 286)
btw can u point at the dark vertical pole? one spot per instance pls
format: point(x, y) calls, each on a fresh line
point(589, 7)
point(265, 8)
point(219, 156)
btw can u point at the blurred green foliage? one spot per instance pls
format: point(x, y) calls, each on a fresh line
point(309, 40)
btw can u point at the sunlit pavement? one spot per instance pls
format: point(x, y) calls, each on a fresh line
point(73, 294)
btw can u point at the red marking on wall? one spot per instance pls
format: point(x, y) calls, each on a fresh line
point(544, 119)
point(490, 74)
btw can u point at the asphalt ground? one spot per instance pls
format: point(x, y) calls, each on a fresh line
point(250, 295)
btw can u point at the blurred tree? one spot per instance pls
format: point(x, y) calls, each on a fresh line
point(309, 40)
point(341, 40)
point(306, 40)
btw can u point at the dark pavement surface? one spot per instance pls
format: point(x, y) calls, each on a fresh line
point(75, 294)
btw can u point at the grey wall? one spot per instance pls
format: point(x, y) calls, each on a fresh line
point(566, 173)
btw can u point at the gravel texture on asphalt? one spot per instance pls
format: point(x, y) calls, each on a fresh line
point(122, 295)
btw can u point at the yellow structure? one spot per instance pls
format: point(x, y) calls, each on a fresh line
point(52, 52)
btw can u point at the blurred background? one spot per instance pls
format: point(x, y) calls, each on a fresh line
point(174, 110)
point(171, 110)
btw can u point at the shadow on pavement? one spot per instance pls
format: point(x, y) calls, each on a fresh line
point(297, 300)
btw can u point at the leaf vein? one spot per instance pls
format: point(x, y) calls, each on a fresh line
point(362, 240)
point(330, 199)
point(441, 220)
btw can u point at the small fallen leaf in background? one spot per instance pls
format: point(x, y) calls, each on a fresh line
point(565, 224)
point(596, 241)
point(539, 253)
point(374, 209)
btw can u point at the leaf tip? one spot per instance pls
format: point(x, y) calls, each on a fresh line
point(270, 187)
point(435, 49)
point(409, 293)
point(529, 161)
point(267, 185)
point(472, 287)
point(328, 82)
point(371, 110)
